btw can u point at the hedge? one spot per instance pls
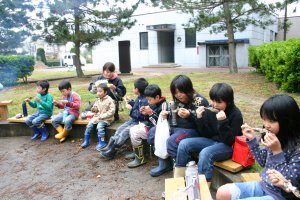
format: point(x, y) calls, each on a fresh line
point(14, 67)
point(279, 61)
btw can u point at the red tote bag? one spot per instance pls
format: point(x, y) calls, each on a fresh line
point(241, 152)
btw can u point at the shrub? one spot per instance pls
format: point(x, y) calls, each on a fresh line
point(14, 67)
point(51, 63)
point(40, 55)
point(280, 62)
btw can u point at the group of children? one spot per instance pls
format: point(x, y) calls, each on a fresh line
point(206, 129)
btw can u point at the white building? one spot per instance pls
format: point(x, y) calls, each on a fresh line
point(160, 37)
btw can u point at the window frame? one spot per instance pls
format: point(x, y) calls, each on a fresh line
point(144, 45)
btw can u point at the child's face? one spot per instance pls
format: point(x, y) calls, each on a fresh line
point(107, 74)
point(220, 105)
point(136, 91)
point(182, 97)
point(272, 126)
point(65, 92)
point(100, 92)
point(40, 90)
point(153, 101)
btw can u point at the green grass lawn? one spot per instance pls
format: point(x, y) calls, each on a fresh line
point(251, 90)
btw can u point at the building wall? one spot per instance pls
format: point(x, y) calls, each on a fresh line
point(293, 31)
point(188, 57)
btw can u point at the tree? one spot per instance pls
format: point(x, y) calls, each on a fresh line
point(86, 22)
point(14, 24)
point(40, 55)
point(223, 15)
point(286, 23)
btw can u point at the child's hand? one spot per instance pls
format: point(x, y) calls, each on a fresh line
point(164, 114)
point(55, 102)
point(200, 110)
point(276, 177)
point(128, 106)
point(183, 113)
point(64, 101)
point(272, 142)
point(221, 115)
point(127, 99)
point(27, 100)
point(148, 111)
point(38, 99)
point(112, 87)
point(247, 131)
point(94, 109)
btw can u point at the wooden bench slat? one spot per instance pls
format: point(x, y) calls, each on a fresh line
point(48, 121)
point(173, 184)
point(248, 177)
point(229, 165)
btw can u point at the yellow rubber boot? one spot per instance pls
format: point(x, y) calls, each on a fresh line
point(59, 129)
point(64, 135)
point(179, 172)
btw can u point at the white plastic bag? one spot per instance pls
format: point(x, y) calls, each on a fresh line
point(162, 133)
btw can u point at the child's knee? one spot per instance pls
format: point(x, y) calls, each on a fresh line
point(223, 192)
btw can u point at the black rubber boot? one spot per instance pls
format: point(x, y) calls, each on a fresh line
point(110, 153)
point(108, 146)
point(139, 157)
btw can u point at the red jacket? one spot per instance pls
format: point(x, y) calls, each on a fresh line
point(73, 105)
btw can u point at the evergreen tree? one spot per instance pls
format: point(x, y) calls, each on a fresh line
point(14, 24)
point(223, 15)
point(86, 22)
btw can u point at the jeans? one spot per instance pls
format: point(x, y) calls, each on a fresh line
point(209, 151)
point(176, 135)
point(122, 133)
point(100, 128)
point(247, 191)
point(36, 119)
point(56, 121)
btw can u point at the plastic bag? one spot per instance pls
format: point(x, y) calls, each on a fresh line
point(241, 152)
point(162, 133)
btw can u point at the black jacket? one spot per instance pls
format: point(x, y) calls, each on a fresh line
point(120, 88)
point(224, 130)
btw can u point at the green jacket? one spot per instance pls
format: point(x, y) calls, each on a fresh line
point(46, 104)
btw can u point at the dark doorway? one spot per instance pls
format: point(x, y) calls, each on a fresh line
point(165, 40)
point(124, 56)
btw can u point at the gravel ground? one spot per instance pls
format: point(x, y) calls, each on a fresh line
point(49, 170)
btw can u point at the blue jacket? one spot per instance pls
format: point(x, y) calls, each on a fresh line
point(136, 105)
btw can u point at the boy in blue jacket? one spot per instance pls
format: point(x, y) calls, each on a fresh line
point(122, 133)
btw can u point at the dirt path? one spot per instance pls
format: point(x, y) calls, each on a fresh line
point(65, 171)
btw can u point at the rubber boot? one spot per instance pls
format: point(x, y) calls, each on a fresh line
point(110, 143)
point(36, 132)
point(130, 156)
point(110, 152)
point(61, 136)
point(101, 143)
point(59, 129)
point(86, 141)
point(139, 157)
point(179, 172)
point(44, 132)
point(164, 165)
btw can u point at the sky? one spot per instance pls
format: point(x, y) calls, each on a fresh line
point(293, 9)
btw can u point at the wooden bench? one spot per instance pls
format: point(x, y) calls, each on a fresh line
point(248, 177)
point(4, 110)
point(172, 185)
point(229, 165)
point(48, 121)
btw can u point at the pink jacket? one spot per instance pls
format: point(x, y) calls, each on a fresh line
point(73, 105)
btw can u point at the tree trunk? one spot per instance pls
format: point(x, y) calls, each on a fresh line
point(77, 48)
point(231, 44)
point(285, 20)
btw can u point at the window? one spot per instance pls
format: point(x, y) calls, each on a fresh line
point(217, 55)
point(144, 40)
point(190, 37)
point(271, 35)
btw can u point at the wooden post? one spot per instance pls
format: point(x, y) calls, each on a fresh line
point(4, 110)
